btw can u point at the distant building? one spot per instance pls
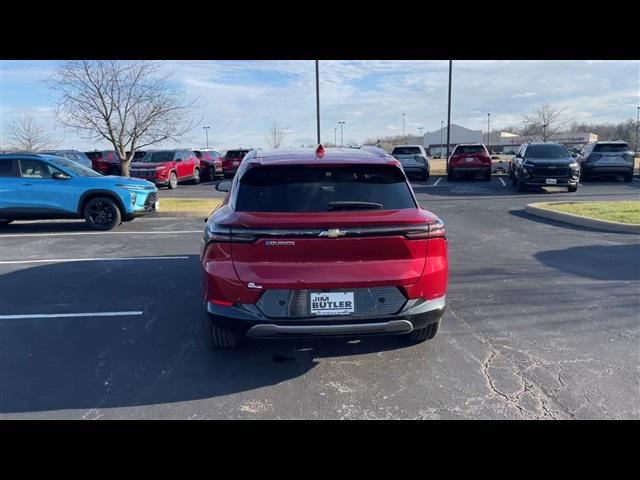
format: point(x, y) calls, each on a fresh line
point(498, 142)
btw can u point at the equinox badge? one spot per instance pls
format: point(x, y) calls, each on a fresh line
point(332, 233)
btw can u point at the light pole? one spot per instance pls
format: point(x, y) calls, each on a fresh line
point(206, 132)
point(637, 129)
point(449, 109)
point(544, 133)
point(441, 132)
point(489, 131)
point(335, 136)
point(403, 124)
point(341, 133)
point(318, 101)
point(421, 137)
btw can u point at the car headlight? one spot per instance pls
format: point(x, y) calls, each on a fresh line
point(131, 188)
point(575, 166)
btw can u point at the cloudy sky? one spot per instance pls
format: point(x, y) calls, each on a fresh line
point(240, 98)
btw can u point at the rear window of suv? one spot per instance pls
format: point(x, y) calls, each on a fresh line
point(406, 151)
point(317, 189)
point(462, 149)
point(547, 151)
point(611, 147)
point(236, 154)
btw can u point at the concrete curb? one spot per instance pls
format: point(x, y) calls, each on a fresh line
point(537, 209)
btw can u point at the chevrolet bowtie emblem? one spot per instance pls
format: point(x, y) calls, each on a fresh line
point(333, 233)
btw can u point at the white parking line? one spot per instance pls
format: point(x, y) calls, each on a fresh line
point(10, 235)
point(71, 315)
point(437, 182)
point(502, 181)
point(106, 259)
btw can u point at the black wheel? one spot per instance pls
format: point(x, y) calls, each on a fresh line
point(425, 175)
point(196, 176)
point(102, 213)
point(520, 186)
point(572, 189)
point(628, 178)
point(427, 333)
point(221, 338)
point(487, 176)
point(173, 180)
point(450, 175)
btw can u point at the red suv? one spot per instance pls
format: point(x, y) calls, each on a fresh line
point(231, 161)
point(106, 162)
point(469, 159)
point(314, 242)
point(210, 163)
point(167, 167)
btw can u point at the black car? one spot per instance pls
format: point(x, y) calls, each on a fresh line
point(544, 164)
point(606, 158)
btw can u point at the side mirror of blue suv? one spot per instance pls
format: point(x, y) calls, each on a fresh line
point(38, 187)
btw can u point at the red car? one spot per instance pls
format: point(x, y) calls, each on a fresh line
point(167, 167)
point(210, 163)
point(106, 162)
point(232, 160)
point(322, 242)
point(469, 159)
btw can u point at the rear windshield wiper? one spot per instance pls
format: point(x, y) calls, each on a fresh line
point(353, 205)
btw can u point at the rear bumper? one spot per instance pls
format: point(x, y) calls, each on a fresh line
point(244, 319)
point(470, 170)
point(229, 171)
point(608, 170)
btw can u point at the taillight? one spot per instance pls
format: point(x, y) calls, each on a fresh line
point(434, 229)
point(221, 234)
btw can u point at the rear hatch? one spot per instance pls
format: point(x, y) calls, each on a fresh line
point(409, 156)
point(233, 158)
point(327, 227)
point(470, 156)
point(611, 154)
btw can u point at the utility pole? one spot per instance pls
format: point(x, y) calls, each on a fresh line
point(335, 136)
point(318, 101)
point(341, 133)
point(441, 132)
point(421, 136)
point(449, 110)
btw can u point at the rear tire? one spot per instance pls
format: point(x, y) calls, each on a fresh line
point(196, 176)
point(572, 189)
point(449, 175)
point(222, 338)
point(102, 213)
point(628, 178)
point(173, 181)
point(520, 186)
point(425, 176)
point(487, 176)
point(423, 334)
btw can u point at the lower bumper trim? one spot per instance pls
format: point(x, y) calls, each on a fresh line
point(273, 330)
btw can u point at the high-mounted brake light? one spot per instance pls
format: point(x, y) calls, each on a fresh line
point(320, 151)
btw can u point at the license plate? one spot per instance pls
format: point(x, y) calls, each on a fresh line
point(235, 164)
point(551, 181)
point(332, 303)
point(469, 159)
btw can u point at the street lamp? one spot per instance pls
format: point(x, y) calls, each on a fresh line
point(441, 132)
point(449, 109)
point(206, 131)
point(422, 138)
point(489, 131)
point(341, 133)
point(637, 129)
point(544, 133)
point(318, 101)
point(403, 124)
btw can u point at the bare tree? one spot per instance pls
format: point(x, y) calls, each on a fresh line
point(545, 122)
point(276, 134)
point(127, 103)
point(24, 132)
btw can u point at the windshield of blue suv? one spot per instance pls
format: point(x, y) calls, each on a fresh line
point(74, 167)
point(547, 151)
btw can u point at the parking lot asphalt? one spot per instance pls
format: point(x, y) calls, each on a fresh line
point(543, 322)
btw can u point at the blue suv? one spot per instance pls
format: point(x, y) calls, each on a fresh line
point(37, 187)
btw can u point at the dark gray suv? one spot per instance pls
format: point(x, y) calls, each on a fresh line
point(544, 164)
point(606, 158)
